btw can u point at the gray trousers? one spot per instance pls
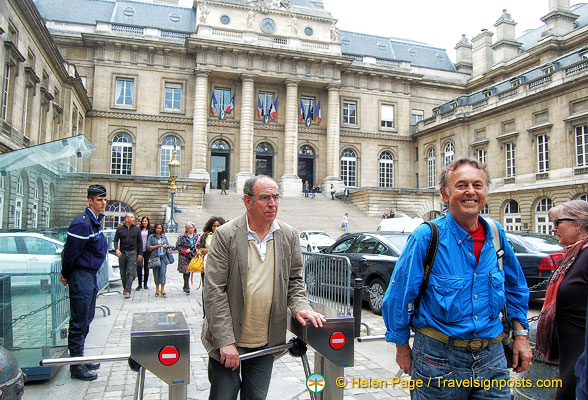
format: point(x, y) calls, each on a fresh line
point(127, 263)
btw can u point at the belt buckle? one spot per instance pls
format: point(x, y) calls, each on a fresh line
point(475, 345)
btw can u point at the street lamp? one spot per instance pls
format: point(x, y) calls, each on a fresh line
point(174, 172)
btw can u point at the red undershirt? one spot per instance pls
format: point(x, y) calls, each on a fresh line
point(479, 237)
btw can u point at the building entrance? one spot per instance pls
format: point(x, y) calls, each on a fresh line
point(219, 163)
point(306, 165)
point(264, 159)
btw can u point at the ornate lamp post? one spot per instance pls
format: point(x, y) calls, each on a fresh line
point(174, 172)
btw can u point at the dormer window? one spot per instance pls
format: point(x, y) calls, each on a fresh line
point(548, 70)
point(515, 82)
point(453, 104)
point(487, 93)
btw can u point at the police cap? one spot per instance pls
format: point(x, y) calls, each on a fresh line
point(96, 190)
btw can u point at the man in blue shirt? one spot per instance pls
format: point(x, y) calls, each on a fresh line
point(83, 254)
point(458, 331)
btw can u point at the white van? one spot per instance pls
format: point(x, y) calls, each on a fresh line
point(401, 224)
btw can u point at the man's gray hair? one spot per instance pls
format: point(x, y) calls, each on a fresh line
point(189, 224)
point(248, 186)
point(444, 178)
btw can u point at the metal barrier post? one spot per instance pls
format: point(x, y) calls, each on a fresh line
point(357, 300)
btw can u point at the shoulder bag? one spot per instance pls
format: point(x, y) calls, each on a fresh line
point(154, 262)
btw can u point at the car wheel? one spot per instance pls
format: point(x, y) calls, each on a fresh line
point(308, 248)
point(311, 283)
point(375, 291)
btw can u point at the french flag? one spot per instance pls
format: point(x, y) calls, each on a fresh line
point(318, 112)
point(230, 106)
point(274, 109)
point(301, 111)
point(259, 107)
point(213, 104)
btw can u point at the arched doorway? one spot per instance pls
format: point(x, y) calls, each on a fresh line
point(114, 214)
point(264, 159)
point(306, 164)
point(220, 152)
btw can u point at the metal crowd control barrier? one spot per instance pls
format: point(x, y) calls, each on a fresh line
point(328, 281)
point(160, 342)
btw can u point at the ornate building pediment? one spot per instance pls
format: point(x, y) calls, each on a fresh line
point(265, 6)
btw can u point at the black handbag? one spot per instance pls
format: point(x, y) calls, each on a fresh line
point(154, 262)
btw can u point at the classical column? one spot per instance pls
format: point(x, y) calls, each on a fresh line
point(290, 183)
point(246, 131)
point(199, 126)
point(332, 142)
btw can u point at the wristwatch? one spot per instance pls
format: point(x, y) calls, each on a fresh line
point(520, 332)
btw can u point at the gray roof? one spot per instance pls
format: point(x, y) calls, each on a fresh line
point(380, 47)
point(134, 13)
point(531, 37)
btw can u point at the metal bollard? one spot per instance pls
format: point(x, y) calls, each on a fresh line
point(357, 300)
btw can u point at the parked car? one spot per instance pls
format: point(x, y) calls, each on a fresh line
point(402, 223)
point(314, 241)
point(538, 255)
point(373, 256)
point(26, 255)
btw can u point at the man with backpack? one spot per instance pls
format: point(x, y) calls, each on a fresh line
point(454, 306)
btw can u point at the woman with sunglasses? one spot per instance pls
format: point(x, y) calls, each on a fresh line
point(562, 323)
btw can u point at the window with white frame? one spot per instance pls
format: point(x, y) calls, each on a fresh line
point(114, 213)
point(512, 216)
point(47, 213)
point(541, 218)
point(542, 153)
point(6, 90)
point(173, 96)
point(308, 104)
point(509, 149)
point(431, 167)
point(350, 112)
point(2, 190)
point(18, 202)
point(223, 99)
point(582, 146)
point(386, 170)
point(387, 116)
point(27, 103)
point(448, 153)
point(481, 155)
point(123, 95)
point(349, 167)
point(417, 116)
point(121, 158)
point(265, 100)
point(35, 205)
point(485, 211)
point(168, 146)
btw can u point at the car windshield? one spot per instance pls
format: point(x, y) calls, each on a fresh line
point(542, 243)
point(323, 234)
point(398, 241)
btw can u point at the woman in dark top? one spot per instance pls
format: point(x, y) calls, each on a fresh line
point(562, 324)
point(142, 269)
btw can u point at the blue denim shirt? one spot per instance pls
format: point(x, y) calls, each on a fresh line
point(462, 300)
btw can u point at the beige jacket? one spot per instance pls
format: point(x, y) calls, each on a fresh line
point(225, 283)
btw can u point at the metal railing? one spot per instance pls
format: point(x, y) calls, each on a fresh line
point(328, 281)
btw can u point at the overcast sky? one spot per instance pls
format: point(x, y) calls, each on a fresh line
point(435, 22)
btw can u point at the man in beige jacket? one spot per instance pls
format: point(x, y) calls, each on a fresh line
point(253, 275)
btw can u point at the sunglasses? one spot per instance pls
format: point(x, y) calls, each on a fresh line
point(556, 222)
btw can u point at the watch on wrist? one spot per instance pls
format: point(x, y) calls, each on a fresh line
point(520, 332)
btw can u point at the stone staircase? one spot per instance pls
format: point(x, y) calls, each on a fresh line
point(302, 213)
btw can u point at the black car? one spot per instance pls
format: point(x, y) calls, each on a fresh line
point(373, 256)
point(538, 255)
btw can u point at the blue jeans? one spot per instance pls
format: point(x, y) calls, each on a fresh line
point(253, 380)
point(439, 366)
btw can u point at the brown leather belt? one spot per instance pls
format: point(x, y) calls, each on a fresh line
point(472, 345)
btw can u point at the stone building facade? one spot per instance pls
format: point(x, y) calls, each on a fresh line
point(241, 87)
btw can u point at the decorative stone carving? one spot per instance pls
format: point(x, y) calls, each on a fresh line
point(334, 33)
point(204, 11)
point(294, 26)
point(266, 6)
point(250, 19)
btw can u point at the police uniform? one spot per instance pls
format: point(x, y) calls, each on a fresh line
point(83, 255)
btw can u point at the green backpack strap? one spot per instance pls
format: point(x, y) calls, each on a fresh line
point(428, 265)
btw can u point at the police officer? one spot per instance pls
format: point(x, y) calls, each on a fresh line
point(84, 252)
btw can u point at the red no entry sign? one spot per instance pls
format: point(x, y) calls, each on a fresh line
point(337, 340)
point(169, 355)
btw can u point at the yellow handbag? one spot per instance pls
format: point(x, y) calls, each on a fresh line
point(196, 264)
